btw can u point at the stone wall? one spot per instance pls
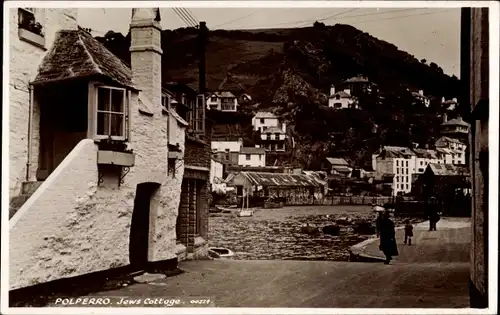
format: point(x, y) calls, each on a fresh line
point(24, 59)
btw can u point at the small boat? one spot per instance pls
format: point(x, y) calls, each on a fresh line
point(225, 209)
point(220, 253)
point(245, 213)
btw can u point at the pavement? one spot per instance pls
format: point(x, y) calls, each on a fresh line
point(450, 243)
point(433, 273)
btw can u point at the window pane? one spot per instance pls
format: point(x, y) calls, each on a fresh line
point(103, 99)
point(102, 124)
point(117, 101)
point(117, 124)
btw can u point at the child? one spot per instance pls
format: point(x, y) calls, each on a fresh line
point(408, 232)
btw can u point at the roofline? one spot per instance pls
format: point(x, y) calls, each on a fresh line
point(89, 77)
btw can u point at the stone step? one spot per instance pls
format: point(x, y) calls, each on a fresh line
point(30, 187)
point(16, 203)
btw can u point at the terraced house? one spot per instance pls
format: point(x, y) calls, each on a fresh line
point(96, 158)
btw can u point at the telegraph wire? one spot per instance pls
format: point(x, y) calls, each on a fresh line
point(329, 17)
point(237, 19)
point(188, 15)
point(192, 15)
point(322, 18)
point(404, 16)
point(182, 17)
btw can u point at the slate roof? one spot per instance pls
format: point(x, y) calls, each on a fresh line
point(337, 161)
point(447, 170)
point(281, 180)
point(448, 139)
point(456, 122)
point(425, 153)
point(223, 94)
point(265, 115)
point(396, 152)
point(273, 130)
point(76, 54)
point(342, 94)
point(341, 169)
point(252, 150)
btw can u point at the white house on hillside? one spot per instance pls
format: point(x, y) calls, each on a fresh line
point(223, 101)
point(454, 145)
point(252, 157)
point(400, 162)
point(341, 100)
point(228, 150)
point(273, 139)
point(419, 96)
point(263, 120)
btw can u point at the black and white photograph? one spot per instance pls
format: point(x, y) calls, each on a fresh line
point(250, 157)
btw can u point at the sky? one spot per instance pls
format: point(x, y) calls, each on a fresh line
point(427, 33)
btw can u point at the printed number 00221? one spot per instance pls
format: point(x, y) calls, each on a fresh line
point(199, 301)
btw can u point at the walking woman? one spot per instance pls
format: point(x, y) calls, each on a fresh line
point(388, 238)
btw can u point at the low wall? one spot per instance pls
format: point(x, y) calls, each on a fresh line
point(47, 240)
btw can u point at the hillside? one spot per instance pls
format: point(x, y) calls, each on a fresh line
point(290, 71)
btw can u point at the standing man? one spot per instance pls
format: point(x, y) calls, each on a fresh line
point(433, 214)
point(388, 238)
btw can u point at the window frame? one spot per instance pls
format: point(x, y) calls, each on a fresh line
point(126, 113)
point(248, 157)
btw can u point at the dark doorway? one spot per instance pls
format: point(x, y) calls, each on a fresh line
point(63, 122)
point(139, 228)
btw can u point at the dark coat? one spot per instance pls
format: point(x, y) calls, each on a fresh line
point(388, 238)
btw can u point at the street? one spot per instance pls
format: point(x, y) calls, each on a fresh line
point(431, 274)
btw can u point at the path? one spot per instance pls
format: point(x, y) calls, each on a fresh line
point(432, 274)
point(450, 243)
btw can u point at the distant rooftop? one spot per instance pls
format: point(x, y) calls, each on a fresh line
point(396, 152)
point(273, 130)
point(337, 161)
point(456, 122)
point(223, 94)
point(342, 94)
point(357, 79)
point(252, 150)
point(265, 115)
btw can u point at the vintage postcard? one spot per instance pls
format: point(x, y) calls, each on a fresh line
point(246, 157)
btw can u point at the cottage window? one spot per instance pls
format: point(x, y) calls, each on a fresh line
point(197, 117)
point(27, 21)
point(260, 157)
point(397, 163)
point(262, 120)
point(111, 113)
point(337, 105)
point(247, 156)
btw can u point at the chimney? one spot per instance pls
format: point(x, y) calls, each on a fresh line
point(145, 52)
point(421, 92)
point(455, 100)
point(445, 118)
point(332, 90)
point(443, 99)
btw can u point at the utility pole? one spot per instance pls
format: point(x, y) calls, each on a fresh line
point(202, 42)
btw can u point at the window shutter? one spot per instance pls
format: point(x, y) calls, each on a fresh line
point(126, 110)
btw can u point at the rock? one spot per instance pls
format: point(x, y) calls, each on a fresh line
point(331, 230)
point(149, 277)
